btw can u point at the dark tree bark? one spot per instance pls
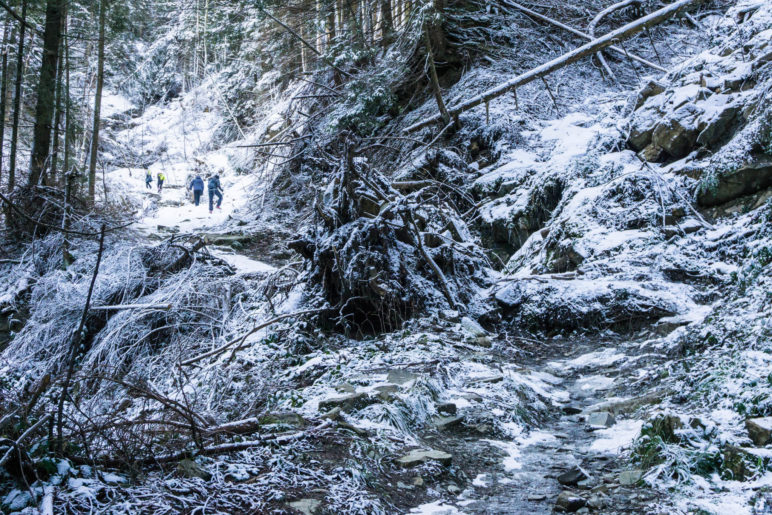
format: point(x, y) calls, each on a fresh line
point(67, 112)
point(17, 96)
point(44, 112)
point(387, 22)
point(97, 102)
point(58, 115)
point(4, 89)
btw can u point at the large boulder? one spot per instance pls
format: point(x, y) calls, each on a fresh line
point(760, 430)
point(751, 177)
point(549, 304)
point(677, 134)
point(652, 88)
point(719, 117)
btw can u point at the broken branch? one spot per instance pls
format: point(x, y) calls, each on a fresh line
point(241, 339)
point(579, 33)
point(593, 47)
point(119, 307)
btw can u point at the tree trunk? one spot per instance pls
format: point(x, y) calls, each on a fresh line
point(67, 112)
point(3, 89)
point(67, 173)
point(330, 24)
point(435, 80)
point(58, 115)
point(387, 22)
point(97, 102)
point(17, 96)
point(44, 112)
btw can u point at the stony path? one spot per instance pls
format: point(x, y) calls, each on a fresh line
point(572, 458)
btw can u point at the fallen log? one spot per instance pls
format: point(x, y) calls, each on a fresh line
point(213, 450)
point(119, 307)
point(590, 48)
point(621, 52)
point(594, 23)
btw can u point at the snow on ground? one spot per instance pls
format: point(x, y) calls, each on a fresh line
point(617, 438)
point(114, 104)
point(177, 138)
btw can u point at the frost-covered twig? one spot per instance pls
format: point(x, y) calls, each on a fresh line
point(16, 444)
point(240, 340)
point(75, 342)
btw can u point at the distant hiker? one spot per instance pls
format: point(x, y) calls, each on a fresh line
point(197, 185)
point(148, 179)
point(161, 179)
point(214, 189)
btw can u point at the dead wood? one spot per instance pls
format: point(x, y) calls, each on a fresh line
point(594, 23)
point(626, 32)
point(119, 307)
point(16, 444)
point(213, 450)
point(579, 33)
point(240, 340)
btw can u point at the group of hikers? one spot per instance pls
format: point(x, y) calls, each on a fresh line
point(149, 180)
point(214, 187)
point(196, 185)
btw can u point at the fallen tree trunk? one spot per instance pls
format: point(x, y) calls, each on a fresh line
point(119, 307)
point(594, 24)
point(581, 34)
point(590, 48)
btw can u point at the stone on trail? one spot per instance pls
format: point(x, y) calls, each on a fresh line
point(447, 422)
point(601, 419)
point(387, 388)
point(346, 388)
point(349, 402)
point(472, 327)
point(630, 477)
point(447, 408)
point(570, 409)
point(190, 469)
point(572, 477)
point(760, 430)
point(287, 418)
point(306, 506)
point(569, 502)
point(488, 380)
point(419, 457)
point(401, 377)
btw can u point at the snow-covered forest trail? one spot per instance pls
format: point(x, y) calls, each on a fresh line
point(175, 138)
point(579, 443)
point(558, 302)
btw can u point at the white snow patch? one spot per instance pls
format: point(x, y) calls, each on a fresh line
point(618, 437)
point(436, 508)
point(243, 264)
point(480, 481)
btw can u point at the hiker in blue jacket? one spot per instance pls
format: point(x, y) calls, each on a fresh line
point(214, 189)
point(197, 185)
